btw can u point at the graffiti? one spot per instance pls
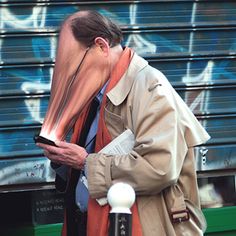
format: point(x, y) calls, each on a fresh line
point(10, 20)
point(158, 31)
point(26, 171)
point(195, 98)
point(33, 105)
point(136, 41)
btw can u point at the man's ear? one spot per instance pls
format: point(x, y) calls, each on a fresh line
point(102, 44)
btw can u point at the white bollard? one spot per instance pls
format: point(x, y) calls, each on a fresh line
point(121, 197)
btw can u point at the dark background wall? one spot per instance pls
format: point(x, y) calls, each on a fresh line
point(192, 42)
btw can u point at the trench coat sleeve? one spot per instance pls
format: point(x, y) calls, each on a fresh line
point(160, 128)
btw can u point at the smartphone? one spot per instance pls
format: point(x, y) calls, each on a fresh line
point(40, 139)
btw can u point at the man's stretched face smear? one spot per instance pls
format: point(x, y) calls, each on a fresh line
point(78, 75)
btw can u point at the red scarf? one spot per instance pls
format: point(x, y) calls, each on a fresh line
point(98, 217)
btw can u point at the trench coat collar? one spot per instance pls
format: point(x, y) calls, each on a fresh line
point(118, 94)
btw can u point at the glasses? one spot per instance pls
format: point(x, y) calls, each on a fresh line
point(80, 64)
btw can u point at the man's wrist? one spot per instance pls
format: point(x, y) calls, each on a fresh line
point(83, 163)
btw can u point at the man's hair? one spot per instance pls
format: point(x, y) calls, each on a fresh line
point(86, 27)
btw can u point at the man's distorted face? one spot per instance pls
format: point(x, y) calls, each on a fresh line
point(79, 74)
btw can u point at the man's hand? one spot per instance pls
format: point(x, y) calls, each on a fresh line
point(65, 153)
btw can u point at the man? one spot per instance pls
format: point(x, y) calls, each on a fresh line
point(131, 95)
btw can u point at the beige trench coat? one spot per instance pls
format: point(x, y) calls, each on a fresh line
point(161, 165)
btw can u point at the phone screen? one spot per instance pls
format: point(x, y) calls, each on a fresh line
point(40, 139)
